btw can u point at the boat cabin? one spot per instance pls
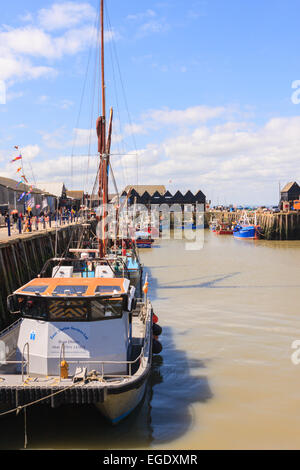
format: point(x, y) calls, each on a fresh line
point(80, 319)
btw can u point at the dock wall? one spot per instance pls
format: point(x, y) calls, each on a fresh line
point(277, 226)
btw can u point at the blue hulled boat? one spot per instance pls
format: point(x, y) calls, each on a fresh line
point(246, 230)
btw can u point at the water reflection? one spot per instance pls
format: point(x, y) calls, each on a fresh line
point(183, 383)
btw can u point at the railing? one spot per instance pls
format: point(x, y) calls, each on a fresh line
point(9, 328)
point(23, 362)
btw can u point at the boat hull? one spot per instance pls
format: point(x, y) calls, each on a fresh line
point(117, 407)
point(223, 232)
point(144, 243)
point(247, 233)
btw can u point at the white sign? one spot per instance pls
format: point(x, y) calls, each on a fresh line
point(74, 336)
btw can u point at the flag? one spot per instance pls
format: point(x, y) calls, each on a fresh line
point(17, 158)
point(20, 182)
point(19, 169)
point(25, 179)
point(30, 203)
point(21, 197)
point(16, 147)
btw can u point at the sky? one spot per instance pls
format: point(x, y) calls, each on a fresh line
point(205, 94)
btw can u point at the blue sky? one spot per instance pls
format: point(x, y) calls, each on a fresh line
point(203, 99)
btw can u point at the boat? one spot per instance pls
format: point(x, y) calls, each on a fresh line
point(245, 230)
point(82, 335)
point(143, 239)
point(79, 340)
point(223, 229)
point(213, 224)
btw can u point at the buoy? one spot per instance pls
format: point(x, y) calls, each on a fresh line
point(145, 288)
point(155, 318)
point(157, 330)
point(156, 346)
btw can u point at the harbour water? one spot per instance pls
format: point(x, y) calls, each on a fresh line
point(225, 378)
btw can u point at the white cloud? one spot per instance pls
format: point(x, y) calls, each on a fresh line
point(65, 15)
point(240, 161)
point(34, 42)
point(63, 29)
point(153, 27)
point(188, 116)
point(229, 159)
point(84, 137)
point(14, 68)
point(140, 16)
point(30, 151)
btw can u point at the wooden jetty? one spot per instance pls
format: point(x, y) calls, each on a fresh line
point(275, 226)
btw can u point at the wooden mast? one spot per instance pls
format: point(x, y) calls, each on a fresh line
point(101, 132)
point(103, 145)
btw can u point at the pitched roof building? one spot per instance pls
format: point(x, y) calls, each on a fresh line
point(290, 192)
point(150, 188)
point(157, 194)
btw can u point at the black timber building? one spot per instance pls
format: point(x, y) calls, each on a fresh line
point(158, 195)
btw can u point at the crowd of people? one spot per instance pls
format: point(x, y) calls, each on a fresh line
point(27, 222)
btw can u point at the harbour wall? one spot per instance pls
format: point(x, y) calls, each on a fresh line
point(275, 226)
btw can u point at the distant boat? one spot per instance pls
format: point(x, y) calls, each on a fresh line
point(223, 229)
point(247, 230)
point(143, 239)
point(213, 224)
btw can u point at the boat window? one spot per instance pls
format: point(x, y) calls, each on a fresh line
point(107, 289)
point(63, 290)
point(106, 309)
point(33, 307)
point(39, 289)
point(68, 309)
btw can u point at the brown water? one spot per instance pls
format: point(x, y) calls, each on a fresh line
point(225, 379)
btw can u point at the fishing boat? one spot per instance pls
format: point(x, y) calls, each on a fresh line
point(213, 224)
point(223, 229)
point(143, 239)
point(79, 339)
point(245, 230)
point(82, 335)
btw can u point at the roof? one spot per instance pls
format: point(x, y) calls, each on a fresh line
point(53, 188)
point(150, 188)
point(75, 194)
point(12, 184)
point(46, 286)
point(289, 186)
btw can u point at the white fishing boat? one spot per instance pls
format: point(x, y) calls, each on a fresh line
point(79, 340)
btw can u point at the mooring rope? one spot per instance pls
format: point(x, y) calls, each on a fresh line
point(24, 407)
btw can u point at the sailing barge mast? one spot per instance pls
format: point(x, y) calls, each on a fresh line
point(103, 145)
